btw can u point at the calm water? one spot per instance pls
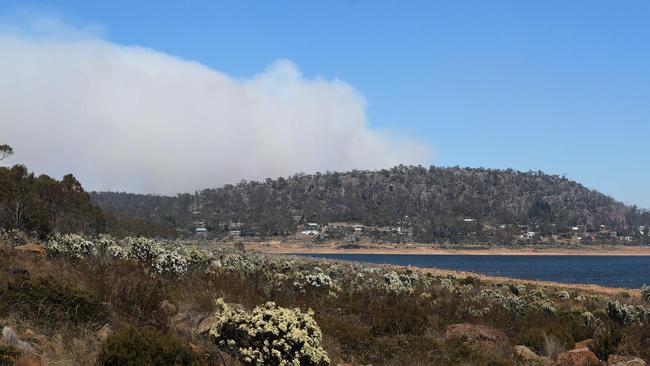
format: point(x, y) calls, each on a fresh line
point(615, 271)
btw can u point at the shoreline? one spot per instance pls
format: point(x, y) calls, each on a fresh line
point(286, 248)
point(491, 279)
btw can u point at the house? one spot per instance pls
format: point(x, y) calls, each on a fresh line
point(358, 228)
point(469, 220)
point(575, 228)
point(310, 232)
point(234, 233)
point(529, 234)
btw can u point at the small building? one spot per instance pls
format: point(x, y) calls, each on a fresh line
point(468, 220)
point(357, 227)
point(529, 234)
point(234, 233)
point(310, 232)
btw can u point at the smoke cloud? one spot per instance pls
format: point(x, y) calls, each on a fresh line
point(131, 118)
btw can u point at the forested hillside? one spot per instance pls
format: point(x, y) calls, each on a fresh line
point(432, 203)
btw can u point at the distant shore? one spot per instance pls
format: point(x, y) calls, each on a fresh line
point(279, 247)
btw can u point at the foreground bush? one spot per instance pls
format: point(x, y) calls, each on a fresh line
point(144, 346)
point(270, 335)
point(50, 302)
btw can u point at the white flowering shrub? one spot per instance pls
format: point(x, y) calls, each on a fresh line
point(270, 335)
point(564, 295)
point(117, 252)
point(170, 263)
point(196, 258)
point(645, 292)
point(627, 314)
point(71, 246)
point(143, 250)
point(101, 244)
point(319, 280)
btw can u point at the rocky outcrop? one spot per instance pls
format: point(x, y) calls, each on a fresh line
point(32, 248)
point(617, 360)
point(578, 357)
point(528, 357)
point(584, 344)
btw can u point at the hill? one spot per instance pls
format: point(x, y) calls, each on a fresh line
point(435, 204)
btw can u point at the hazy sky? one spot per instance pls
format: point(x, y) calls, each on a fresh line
point(561, 86)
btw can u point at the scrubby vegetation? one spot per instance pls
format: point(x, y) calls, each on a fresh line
point(362, 314)
point(133, 346)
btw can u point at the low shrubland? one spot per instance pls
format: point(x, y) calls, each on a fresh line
point(303, 311)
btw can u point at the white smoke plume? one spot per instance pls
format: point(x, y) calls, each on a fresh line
point(131, 118)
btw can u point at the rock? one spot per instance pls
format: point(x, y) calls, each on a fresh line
point(529, 357)
point(10, 337)
point(168, 308)
point(578, 357)
point(617, 360)
point(32, 248)
point(584, 344)
point(207, 323)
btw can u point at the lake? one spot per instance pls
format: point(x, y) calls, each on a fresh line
point(612, 271)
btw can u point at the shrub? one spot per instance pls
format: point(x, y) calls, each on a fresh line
point(8, 355)
point(144, 346)
point(645, 292)
point(51, 303)
point(270, 335)
point(170, 263)
point(71, 246)
point(142, 250)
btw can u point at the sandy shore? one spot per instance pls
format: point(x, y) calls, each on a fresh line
point(333, 248)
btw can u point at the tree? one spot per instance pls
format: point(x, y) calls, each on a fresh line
point(5, 151)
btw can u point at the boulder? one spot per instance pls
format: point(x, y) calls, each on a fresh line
point(32, 248)
point(584, 344)
point(578, 357)
point(10, 337)
point(484, 335)
point(529, 357)
point(207, 323)
point(617, 360)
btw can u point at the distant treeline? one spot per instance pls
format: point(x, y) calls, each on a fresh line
point(42, 205)
point(432, 202)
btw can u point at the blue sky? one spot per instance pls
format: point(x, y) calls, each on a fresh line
point(560, 86)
